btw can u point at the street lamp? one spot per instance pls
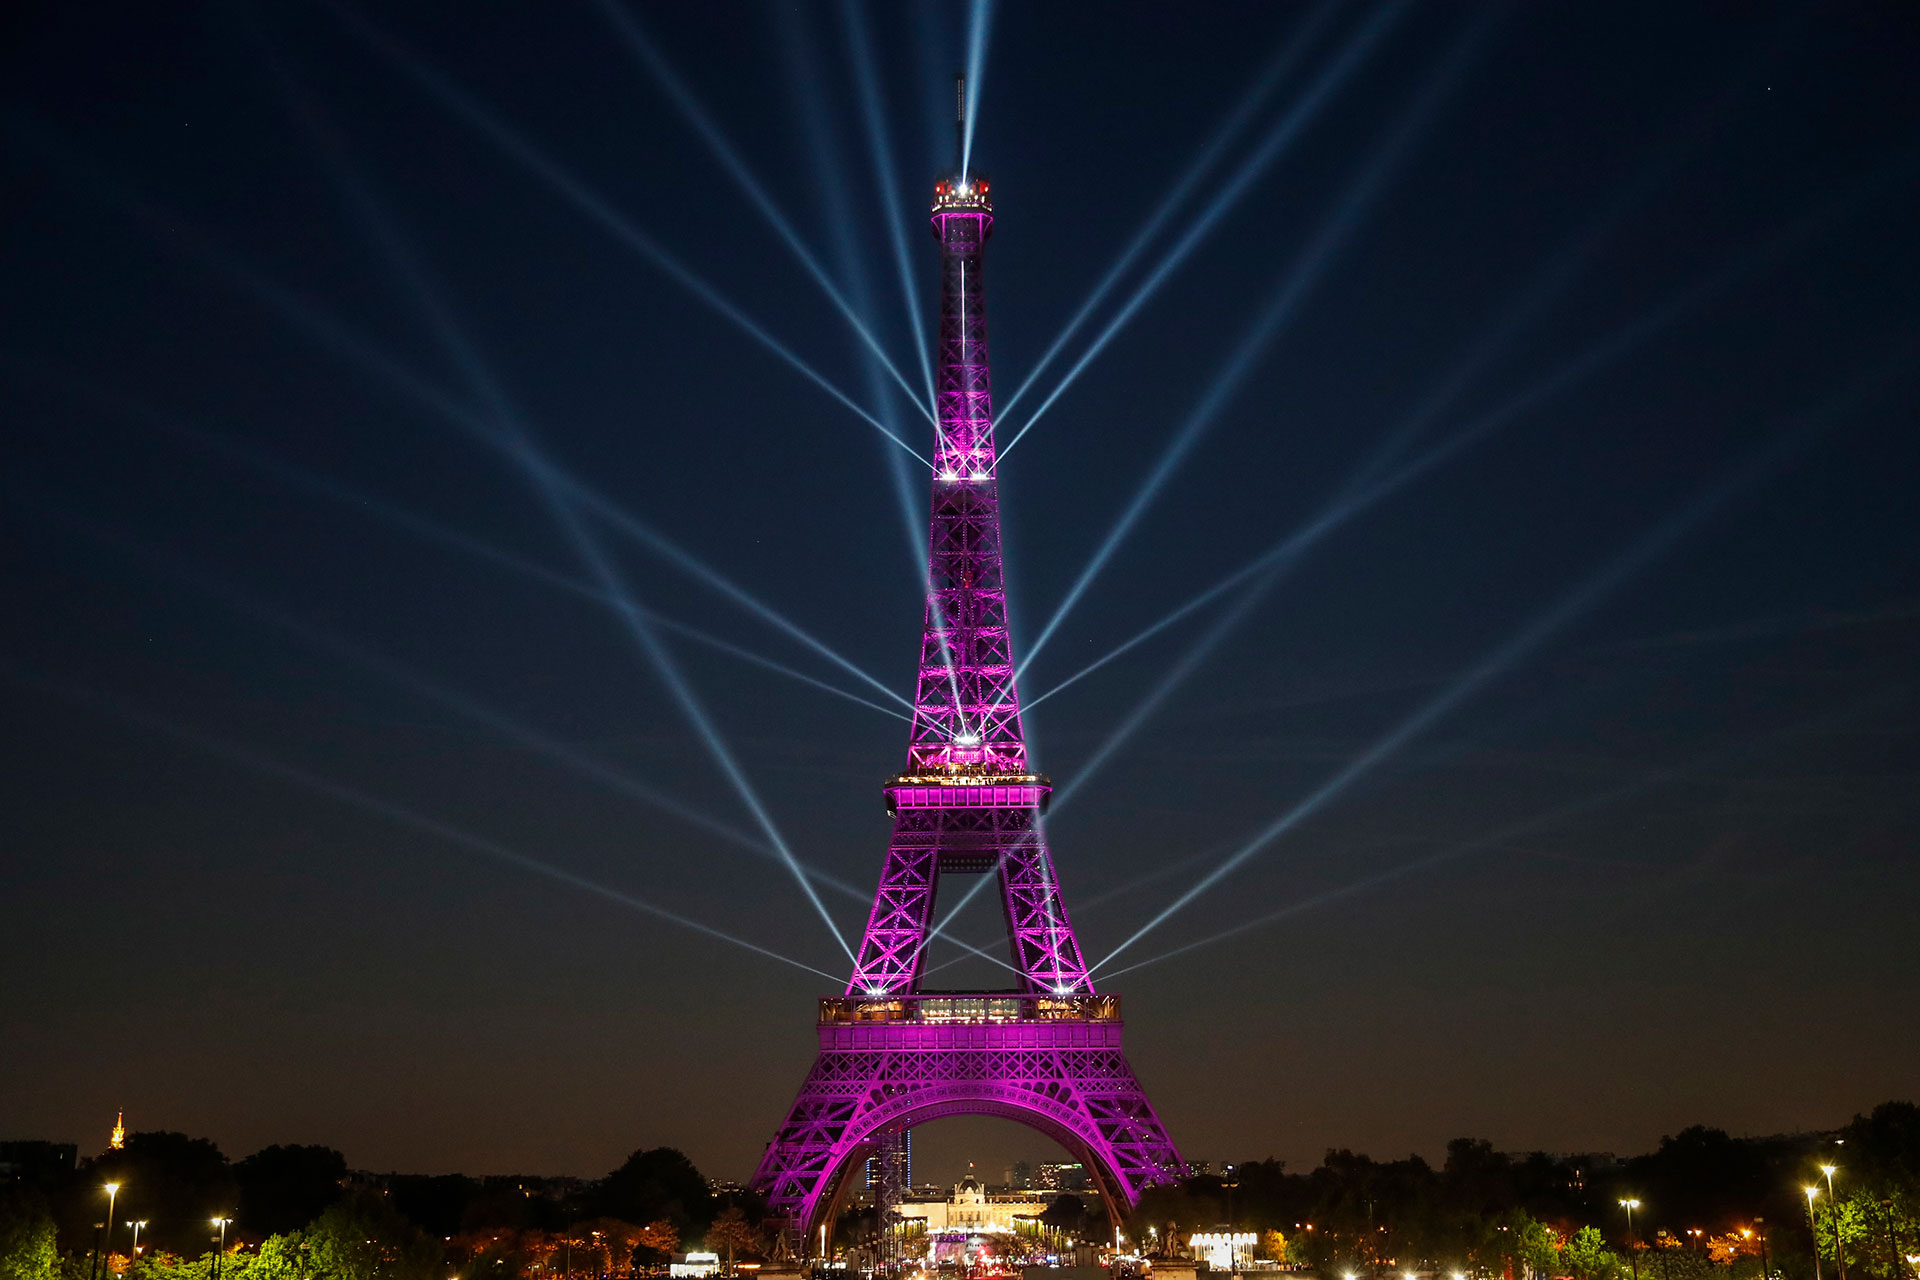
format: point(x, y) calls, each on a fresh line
point(1813, 1230)
point(222, 1224)
point(136, 1238)
point(106, 1241)
point(1833, 1211)
point(1630, 1206)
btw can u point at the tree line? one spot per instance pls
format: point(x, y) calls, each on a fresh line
point(299, 1213)
point(1704, 1205)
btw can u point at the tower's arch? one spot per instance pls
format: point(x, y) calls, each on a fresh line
point(978, 1098)
point(1054, 1064)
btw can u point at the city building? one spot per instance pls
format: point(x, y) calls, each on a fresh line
point(975, 1210)
point(1061, 1177)
point(904, 1155)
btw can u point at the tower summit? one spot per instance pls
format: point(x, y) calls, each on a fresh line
point(1045, 1050)
point(966, 715)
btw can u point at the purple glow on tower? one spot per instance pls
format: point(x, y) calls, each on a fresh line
point(966, 716)
point(893, 1055)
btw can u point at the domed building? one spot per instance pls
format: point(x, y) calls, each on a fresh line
point(975, 1210)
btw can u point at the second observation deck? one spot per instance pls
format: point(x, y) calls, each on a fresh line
point(985, 1008)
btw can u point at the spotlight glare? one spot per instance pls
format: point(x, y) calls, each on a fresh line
point(367, 503)
point(703, 124)
point(423, 686)
point(1276, 143)
point(1358, 495)
point(399, 814)
point(509, 435)
point(1228, 130)
point(662, 661)
point(1502, 837)
point(1517, 647)
point(979, 27)
point(880, 153)
point(600, 210)
point(1307, 269)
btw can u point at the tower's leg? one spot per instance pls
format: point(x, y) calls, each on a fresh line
point(1045, 949)
point(891, 950)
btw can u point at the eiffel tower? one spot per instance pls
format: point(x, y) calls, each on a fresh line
point(894, 1054)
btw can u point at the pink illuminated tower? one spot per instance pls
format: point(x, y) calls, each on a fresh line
point(1046, 1051)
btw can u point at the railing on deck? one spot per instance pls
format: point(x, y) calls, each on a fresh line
point(986, 1008)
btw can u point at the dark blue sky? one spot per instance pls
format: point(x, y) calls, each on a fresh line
point(1616, 683)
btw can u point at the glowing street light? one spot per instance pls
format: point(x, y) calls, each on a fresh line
point(222, 1224)
point(106, 1242)
point(1630, 1206)
point(1833, 1211)
point(136, 1237)
point(1813, 1230)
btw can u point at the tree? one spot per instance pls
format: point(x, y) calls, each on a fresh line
point(609, 1240)
point(280, 1257)
point(1586, 1256)
point(659, 1238)
point(1476, 1178)
point(1671, 1260)
point(1067, 1215)
point(362, 1237)
point(1887, 1141)
point(731, 1233)
point(27, 1237)
point(283, 1188)
point(437, 1204)
point(856, 1227)
point(1535, 1245)
point(173, 1181)
point(659, 1183)
point(1700, 1176)
point(1164, 1212)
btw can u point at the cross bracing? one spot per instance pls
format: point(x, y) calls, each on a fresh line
point(892, 1055)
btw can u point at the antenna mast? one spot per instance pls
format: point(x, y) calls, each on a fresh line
point(959, 124)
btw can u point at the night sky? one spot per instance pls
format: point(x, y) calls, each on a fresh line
point(334, 809)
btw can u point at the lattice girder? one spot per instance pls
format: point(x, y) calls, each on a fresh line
point(1047, 1053)
point(1070, 1082)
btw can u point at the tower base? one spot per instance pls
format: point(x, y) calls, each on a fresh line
point(1052, 1063)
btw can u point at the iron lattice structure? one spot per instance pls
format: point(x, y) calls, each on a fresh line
point(892, 1055)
